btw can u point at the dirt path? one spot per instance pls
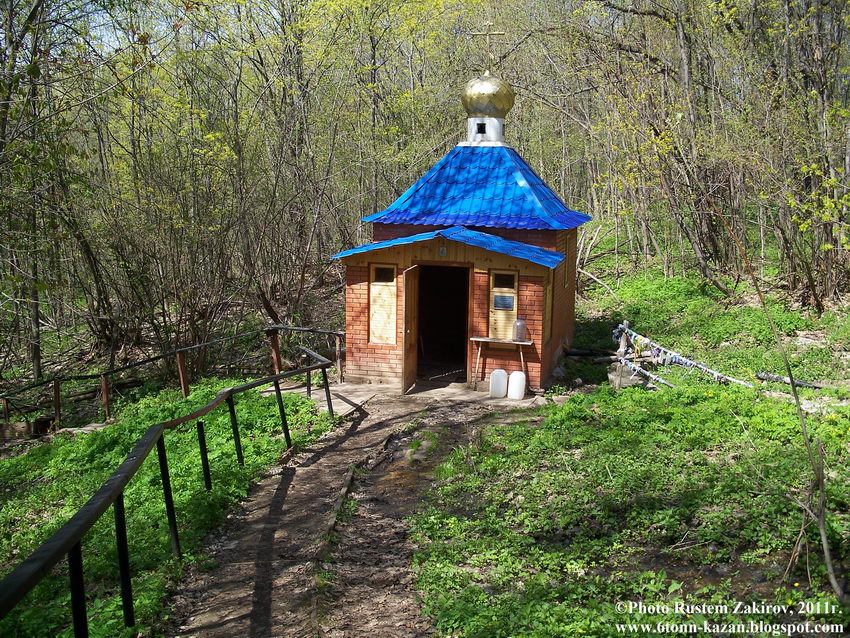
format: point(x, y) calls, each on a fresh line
point(367, 583)
point(263, 577)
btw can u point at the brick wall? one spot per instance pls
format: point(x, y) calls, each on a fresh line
point(531, 307)
point(365, 361)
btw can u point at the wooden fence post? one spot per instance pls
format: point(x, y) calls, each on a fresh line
point(621, 354)
point(104, 396)
point(274, 338)
point(338, 359)
point(57, 402)
point(181, 373)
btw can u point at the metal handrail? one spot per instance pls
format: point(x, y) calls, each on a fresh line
point(67, 540)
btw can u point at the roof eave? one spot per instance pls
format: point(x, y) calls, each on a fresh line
point(540, 256)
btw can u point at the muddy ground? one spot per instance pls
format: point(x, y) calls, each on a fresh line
point(366, 585)
point(297, 558)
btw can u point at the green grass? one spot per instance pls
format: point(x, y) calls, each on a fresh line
point(40, 490)
point(732, 335)
point(541, 529)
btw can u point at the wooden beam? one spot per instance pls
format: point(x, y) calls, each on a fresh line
point(104, 396)
point(57, 402)
point(181, 373)
point(274, 338)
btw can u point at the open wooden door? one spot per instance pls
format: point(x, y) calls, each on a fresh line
point(411, 327)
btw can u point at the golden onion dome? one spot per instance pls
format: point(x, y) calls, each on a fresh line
point(487, 96)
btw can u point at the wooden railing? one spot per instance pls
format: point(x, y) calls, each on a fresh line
point(8, 399)
point(68, 540)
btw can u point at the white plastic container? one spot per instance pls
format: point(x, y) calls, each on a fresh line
point(516, 386)
point(498, 384)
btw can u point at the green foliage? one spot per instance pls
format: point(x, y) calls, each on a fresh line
point(41, 489)
point(541, 529)
point(729, 335)
point(675, 495)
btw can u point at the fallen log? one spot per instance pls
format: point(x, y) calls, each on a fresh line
point(585, 353)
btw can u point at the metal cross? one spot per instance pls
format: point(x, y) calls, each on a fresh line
point(490, 57)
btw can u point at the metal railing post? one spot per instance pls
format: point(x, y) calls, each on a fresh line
point(235, 427)
point(338, 358)
point(78, 591)
point(65, 543)
point(205, 459)
point(282, 414)
point(124, 561)
point(328, 391)
point(169, 498)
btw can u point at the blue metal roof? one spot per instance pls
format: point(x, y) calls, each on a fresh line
point(541, 256)
point(488, 186)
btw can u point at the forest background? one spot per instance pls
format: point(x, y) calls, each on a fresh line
point(171, 170)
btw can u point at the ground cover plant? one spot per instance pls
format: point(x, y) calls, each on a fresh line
point(41, 489)
point(551, 525)
point(731, 335)
point(543, 527)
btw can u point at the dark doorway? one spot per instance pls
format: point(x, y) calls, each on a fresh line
point(443, 315)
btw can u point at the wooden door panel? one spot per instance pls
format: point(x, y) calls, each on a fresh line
point(411, 327)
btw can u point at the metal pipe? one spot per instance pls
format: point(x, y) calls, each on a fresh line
point(169, 499)
point(338, 345)
point(234, 426)
point(124, 561)
point(282, 414)
point(205, 459)
point(78, 591)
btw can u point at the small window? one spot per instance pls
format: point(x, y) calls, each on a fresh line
point(504, 280)
point(481, 128)
point(384, 275)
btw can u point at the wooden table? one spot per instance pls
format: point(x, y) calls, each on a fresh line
point(482, 340)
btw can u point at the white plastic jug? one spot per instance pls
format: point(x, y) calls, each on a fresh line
point(498, 384)
point(516, 386)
